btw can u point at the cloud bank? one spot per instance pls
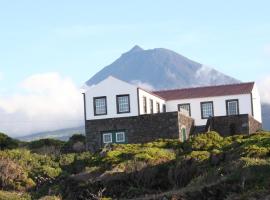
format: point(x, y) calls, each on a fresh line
point(143, 85)
point(264, 88)
point(46, 102)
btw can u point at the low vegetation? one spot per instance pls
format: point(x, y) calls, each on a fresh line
point(207, 166)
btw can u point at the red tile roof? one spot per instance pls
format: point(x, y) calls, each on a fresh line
point(208, 91)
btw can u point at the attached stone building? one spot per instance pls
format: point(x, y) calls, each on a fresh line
point(120, 112)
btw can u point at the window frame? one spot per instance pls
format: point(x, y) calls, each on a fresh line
point(94, 104)
point(206, 102)
point(158, 107)
point(117, 103)
point(164, 109)
point(227, 106)
point(105, 134)
point(144, 104)
point(185, 104)
point(124, 136)
point(151, 106)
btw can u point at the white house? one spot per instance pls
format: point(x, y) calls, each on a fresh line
point(115, 109)
point(112, 98)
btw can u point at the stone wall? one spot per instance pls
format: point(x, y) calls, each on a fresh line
point(187, 122)
point(138, 129)
point(234, 124)
point(254, 125)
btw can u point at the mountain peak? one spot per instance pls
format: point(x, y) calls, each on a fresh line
point(162, 69)
point(136, 48)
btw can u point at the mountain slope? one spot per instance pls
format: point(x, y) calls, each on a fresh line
point(161, 69)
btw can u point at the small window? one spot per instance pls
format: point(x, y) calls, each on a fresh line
point(120, 136)
point(164, 108)
point(185, 106)
point(207, 109)
point(144, 105)
point(151, 106)
point(100, 106)
point(123, 104)
point(158, 107)
point(107, 138)
point(232, 107)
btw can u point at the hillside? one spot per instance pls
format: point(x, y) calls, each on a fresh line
point(62, 134)
point(207, 166)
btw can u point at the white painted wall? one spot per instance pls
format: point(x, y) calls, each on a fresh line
point(111, 87)
point(256, 104)
point(143, 93)
point(219, 106)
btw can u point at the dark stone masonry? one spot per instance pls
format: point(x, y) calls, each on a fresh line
point(139, 129)
point(234, 124)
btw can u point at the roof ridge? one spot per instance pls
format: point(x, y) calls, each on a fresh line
point(207, 86)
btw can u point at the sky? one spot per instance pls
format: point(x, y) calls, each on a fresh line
point(48, 49)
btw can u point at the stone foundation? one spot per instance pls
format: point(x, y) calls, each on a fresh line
point(139, 129)
point(234, 124)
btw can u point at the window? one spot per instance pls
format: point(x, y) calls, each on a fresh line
point(151, 106)
point(185, 106)
point(107, 138)
point(144, 105)
point(207, 109)
point(123, 104)
point(120, 136)
point(100, 106)
point(232, 107)
point(164, 108)
point(114, 137)
point(158, 107)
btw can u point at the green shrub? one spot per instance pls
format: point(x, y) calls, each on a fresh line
point(255, 151)
point(198, 155)
point(50, 198)
point(207, 141)
point(75, 144)
point(35, 168)
point(7, 142)
point(46, 146)
point(13, 176)
point(4, 195)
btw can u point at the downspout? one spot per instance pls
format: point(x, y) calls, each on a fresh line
point(84, 105)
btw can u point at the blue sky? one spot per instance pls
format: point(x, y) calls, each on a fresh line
point(75, 39)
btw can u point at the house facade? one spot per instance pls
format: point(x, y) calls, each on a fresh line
point(120, 112)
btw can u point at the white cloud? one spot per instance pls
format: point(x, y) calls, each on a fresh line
point(143, 85)
point(49, 102)
point(264, 88)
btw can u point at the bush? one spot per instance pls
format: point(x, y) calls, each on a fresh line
point(7, 142)
point(34, 169)
point(75, 144)
point(198, 155)
point(255, 151)
point(4, 195)
point(46, 146)
point(207, 141)
point(13, 176)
